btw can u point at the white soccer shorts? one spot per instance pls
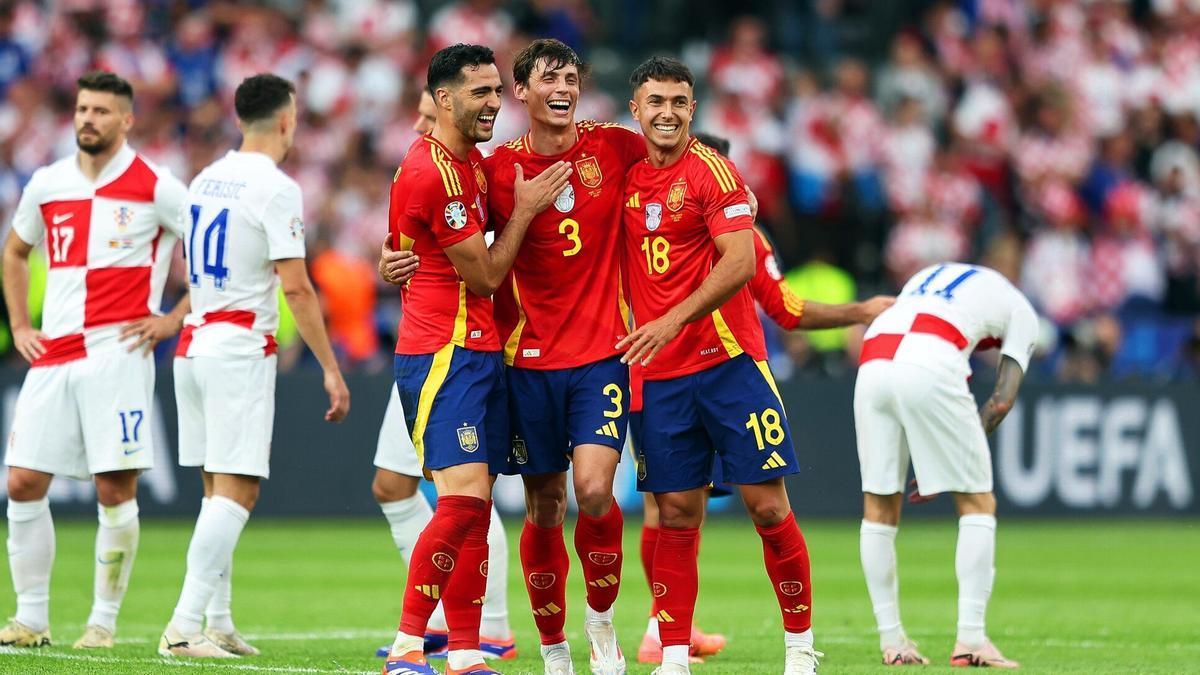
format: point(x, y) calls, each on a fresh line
point(394, 450)
point(85, 417)
point(903, 410)
point(226, 414)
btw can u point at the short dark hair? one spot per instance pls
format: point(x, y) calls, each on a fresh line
point(662, 69)
point(556, 54)
point(102, 80)
point(260, 96)
point(713, 141)
point(447, 64)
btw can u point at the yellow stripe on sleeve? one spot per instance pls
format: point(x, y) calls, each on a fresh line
point(718, 167)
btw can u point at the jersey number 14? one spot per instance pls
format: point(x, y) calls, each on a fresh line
point(210, 255)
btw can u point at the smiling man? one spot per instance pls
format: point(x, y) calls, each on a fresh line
point(110, 220)
point(689, 250)
point(559, 315)
point(449, 373)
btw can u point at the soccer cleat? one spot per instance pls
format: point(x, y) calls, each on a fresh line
point(477, 669)
point(706, 644)
point(408, 663)
point(606, 657)
point(650, 651)
point(904, 655)
point(671, 669)
point(197, 646)
point(495, 648)
point(986, 656)
point(233, 642)
point(558, 659)
point(95, 637)
point(17, 634)
point(801, 661)
point(436, 642)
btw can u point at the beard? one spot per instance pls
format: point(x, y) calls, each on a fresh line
point(93, 147)
point(467, 125)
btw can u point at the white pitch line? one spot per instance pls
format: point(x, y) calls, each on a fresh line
point(171, 663)
point(335, 634)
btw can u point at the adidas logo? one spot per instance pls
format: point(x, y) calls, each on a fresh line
point(549, 610)
point(429, 590)
point(605, 581)
point(774, 462)
point(609, 430)
point(798, 609)
point(635, 201)
point(663, 617)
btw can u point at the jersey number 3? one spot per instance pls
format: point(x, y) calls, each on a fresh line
point(210, 256)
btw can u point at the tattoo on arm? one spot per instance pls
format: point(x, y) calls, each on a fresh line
point(1008, 382)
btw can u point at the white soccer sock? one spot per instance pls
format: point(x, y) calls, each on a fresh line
point(804, 639)
point(216, 535)
point(974, 564)
point(652, 628)
point(406, 518)
point(461, 659)
point(116, 547)
point(678, 655)
point(218, 615)
point(494, 622)
point(30, 558)
point(877, 549)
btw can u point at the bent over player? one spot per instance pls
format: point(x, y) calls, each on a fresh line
point(689, 249)
point(911, 400)
point(245, 240)
point(449, 372)
point(110, 219)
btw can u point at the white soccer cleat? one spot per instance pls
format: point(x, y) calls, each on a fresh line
point(17, 634)
point(801, 661)
point(95, 637)
point(558, 659)
point(196, 646)
point(986, 656)
point(606, 658)
point(671, 669)
point(233, 642)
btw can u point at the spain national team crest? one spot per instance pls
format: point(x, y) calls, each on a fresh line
point(443, 561)
point(541, 580)
point(653, 216)
point(468, 439)
point(520, 452)
point(675, 196)
point(588, 169)
point(641, 466)
point(480, 179)
point(603, 557)
point(123, 217)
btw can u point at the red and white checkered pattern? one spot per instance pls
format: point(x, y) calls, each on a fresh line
point(108, 243)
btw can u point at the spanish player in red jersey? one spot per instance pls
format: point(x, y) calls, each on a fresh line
point(689, 252)
point(559, 315)
point(449, 373)
point(789, 312)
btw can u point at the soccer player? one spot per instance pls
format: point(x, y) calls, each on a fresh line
point(789, 312)
point(689, 252)
point(559, 316)
point(110, 221)
point(449, 372)
point(398, 474)
point(245, 240)
point(911, 399)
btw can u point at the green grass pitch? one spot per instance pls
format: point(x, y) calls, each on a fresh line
point(1081, 596)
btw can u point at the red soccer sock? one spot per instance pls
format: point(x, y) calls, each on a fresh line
point(463, 599)
point(675, 583)
point(435, 556)
point(545, 563)
point(786, 556)
point(649, 544)
point(598, 544)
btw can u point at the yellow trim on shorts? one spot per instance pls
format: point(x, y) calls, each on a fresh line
point(766, 373)
point(514, 340)
point(728, 341)
point(434, 380)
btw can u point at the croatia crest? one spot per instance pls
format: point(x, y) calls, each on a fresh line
point(480, 179)
point(468, 439)
point(589, 172)
point(123, 217)
point(675, 196)
point(653, 216)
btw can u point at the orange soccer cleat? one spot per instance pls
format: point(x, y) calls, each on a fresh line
point(986, 656)
point(651, 651)
point(706, 644)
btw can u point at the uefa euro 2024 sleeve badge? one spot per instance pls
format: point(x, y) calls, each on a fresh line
point(456, 215)
point(653, 216)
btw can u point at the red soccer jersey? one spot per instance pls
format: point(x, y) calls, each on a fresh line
point(671, 217)
point(769, 289)
point(438, 200)
point(561, 306)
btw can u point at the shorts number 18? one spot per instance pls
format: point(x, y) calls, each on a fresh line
point(767, 426)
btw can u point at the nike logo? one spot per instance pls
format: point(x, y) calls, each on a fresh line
point(116, 558)
point(130, 451)
point(62, 218)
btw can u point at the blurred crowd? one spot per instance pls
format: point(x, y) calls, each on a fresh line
point(1055, 140)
